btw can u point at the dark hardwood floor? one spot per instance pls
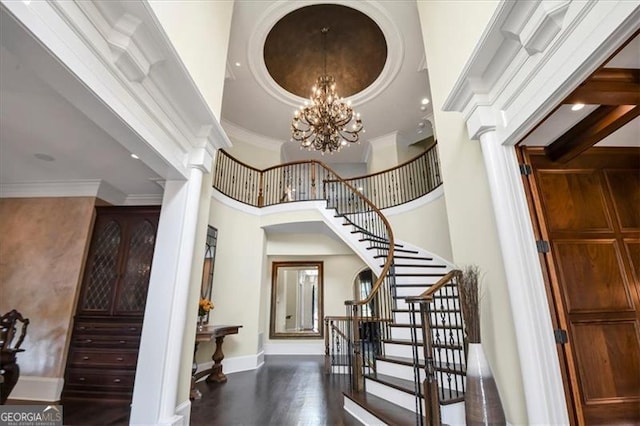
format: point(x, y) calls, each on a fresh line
point(285, 391)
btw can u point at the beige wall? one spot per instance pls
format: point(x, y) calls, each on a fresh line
point(260, 158)
point(43, 242)
point(237, 279)
point(426, 226)
point(199, 31)
point(451, 31)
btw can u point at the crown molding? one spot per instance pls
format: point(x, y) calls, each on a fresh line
point(279, 9)
point(531, 56)
point(246, 136)
point(119, 51)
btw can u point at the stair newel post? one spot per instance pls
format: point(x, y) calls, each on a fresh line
point(261, 190)
point(313, 180)
point(358, 379)
point(327, 354)
point(430, 392)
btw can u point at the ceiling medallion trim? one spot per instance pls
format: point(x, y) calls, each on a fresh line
point(279, 9)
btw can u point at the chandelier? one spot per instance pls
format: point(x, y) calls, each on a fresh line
point(327, 123)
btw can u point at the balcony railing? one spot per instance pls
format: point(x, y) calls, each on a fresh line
point(302, 181)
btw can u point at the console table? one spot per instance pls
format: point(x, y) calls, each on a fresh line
point(206, 334)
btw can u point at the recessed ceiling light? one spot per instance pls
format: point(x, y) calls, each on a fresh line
point(238, 64)
point(424, 101)
point(423, 108)
point(134, 156)
point(44, 157)
point(577, 107)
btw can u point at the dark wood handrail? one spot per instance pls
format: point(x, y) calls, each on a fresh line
point(427, 295)
point(399, 166)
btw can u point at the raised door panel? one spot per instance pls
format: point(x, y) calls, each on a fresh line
point(574, 201)
point(625, 192)
point(592, 276)
point(611, 349)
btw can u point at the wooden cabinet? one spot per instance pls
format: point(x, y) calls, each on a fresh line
point(103, 351)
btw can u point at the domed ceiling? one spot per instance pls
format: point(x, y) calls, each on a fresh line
point(374, 50)
point(294, 51)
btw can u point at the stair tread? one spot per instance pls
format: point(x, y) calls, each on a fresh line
point(384, 410)
point(395, 382)
point(417, 265)
point(404, 257)
point(396, 250)
point(426, 274)
point(399, 360)
point(409, 343)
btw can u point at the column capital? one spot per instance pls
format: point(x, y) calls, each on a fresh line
point(480, 121)
point(201, 159)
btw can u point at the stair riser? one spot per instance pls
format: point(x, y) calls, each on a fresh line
point(451, 304)
point(404, 318)
point(423, 268)
point(400, 371)
point(403, 333)
point(394, 349)
point(406, 372)
point(392, 395)
point(417, 279)
point(451, 414)
point(410, 291)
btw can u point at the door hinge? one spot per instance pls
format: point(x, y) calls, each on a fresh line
point(561, 336)
point(525, 169)
point(542, 246)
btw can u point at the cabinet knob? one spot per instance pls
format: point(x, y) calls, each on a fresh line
point(82, 379)
point(85, 358)
point(88, 341)
point(119, 359)
point(116, 380)
point(82, 328)
point(133, 328)
point(122, 342)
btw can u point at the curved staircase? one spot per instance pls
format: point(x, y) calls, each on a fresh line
point(389, 393)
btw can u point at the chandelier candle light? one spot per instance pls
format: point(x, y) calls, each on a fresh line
point(328, 123)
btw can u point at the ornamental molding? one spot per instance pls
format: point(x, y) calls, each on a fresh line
point(119, 50)
point(372, 8)
point(531, 56)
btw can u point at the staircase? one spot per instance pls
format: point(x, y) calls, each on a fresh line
point(391, 395)
point(401, 373)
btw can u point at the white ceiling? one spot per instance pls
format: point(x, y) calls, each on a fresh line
point(254, 102)
point(36, 119)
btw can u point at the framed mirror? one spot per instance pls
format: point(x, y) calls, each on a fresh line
point(207, 270)
point(296, 300)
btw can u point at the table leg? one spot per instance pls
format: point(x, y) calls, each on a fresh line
point(195, 393)
point(216, 371)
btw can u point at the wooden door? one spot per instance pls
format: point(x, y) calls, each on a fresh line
point(589, 212)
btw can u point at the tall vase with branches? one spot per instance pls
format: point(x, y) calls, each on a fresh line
point(482, 400)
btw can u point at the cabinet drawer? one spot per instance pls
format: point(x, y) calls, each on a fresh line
point(111, 342)
point(101, 378)
point(121, 359)
point(107, 328)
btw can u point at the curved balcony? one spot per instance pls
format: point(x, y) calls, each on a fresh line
point(302, 181)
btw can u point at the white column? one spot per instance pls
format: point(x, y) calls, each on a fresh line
point(155, 389)
point(541, 374)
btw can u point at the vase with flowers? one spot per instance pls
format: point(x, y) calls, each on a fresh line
point(482, 400)
point(204, 306)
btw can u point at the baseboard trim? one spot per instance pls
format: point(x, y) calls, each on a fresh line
point(235, 364)
point(294, 348)
point(36, 388)
point(184, 410)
